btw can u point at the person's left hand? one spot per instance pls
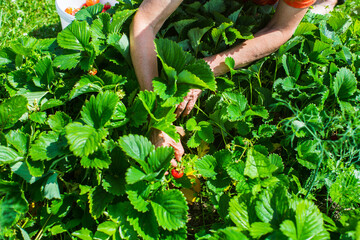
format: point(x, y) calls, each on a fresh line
point(188, 104)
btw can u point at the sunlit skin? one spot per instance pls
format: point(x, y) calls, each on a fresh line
point(150, 17)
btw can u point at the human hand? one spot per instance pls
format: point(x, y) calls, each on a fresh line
point(187, 105)
point(160, 138)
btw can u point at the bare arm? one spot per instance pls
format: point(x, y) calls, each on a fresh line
point(266, 41)
point(146, 23)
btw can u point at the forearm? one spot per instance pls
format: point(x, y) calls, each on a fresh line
point(266, 41)
point(143, 53)
point(146, 23)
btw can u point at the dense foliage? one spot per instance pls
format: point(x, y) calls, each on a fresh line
point(275, 146)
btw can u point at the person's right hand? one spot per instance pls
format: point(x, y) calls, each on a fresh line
point(160, 138)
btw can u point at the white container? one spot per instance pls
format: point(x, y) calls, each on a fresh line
point(65, 18)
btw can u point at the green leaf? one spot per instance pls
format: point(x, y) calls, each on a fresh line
point(120, 43)
point(67, 61)
point(180, 234)
point(346, 189)
point(257, 110)
point(206, 166)
point(45, 72)
point(202, 70)
point(238, 212)
point(134, 175)
point(83, 139)
point(38, 117)
point(266, 130)
point(58, 121)
point(191, 125)
point(291, 65)
point(170, 209)
point(99, 159)
point(236, 171)
point(8, 155)
point(85, 85)
point(195, 35)
point(114, 184)
point(97, 111)
point(12, 206)
point(144, 224)
point(51, 103)
point(272, 205)
point(89, 13)
point(6, 56)
point(51, 189)
point(230, 233)
point(159, 159)
point(138, 195)
point(171, 54)
point(194, 141)
point(24, 234)
point(258, 165)
point(19, 140)
point(21, 169)
point(84, 234)
point(11, 110)
point(232, 34)
point(216, 33)
point(308, 154)
point(258, 229)
point(186, 77)
point(215, 6)
point(98, 201)
point(148, 99)
point(48, 146)
point(36, 168)
point(206, 132)
point(237, 103)
point(76, 36)
point(119, 213)
point(107, 227)
point(344, 83)
point(137, 147)
point(100, 26)
point(308, 221)
point(167, 127)
point(305, 28)
point(119, 19)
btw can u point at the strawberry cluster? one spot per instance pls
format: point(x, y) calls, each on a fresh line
point(88, 3)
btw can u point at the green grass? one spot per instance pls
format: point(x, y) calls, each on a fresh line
point(36, 18)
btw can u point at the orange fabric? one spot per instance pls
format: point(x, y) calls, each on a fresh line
point(291, 3)
point(300, 3)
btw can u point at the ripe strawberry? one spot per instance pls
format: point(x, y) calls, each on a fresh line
point(176, 174)
point(91, 2)
point(75, 11)
point(107, 6)
point(93, 71)
point(69, 10)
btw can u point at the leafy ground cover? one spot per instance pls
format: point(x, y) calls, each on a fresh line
point(272, 150)
point(28, 18)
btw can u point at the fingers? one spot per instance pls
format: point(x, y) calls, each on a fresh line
point(188, 103)
point(173, 163)
point(180, 130)
point(180, 108)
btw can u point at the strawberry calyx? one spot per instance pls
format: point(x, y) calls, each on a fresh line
point(177, 174)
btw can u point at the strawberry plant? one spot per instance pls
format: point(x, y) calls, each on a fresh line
point(271, 150)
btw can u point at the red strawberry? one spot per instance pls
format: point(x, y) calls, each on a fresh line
point(176, 174)
point(107, 6)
